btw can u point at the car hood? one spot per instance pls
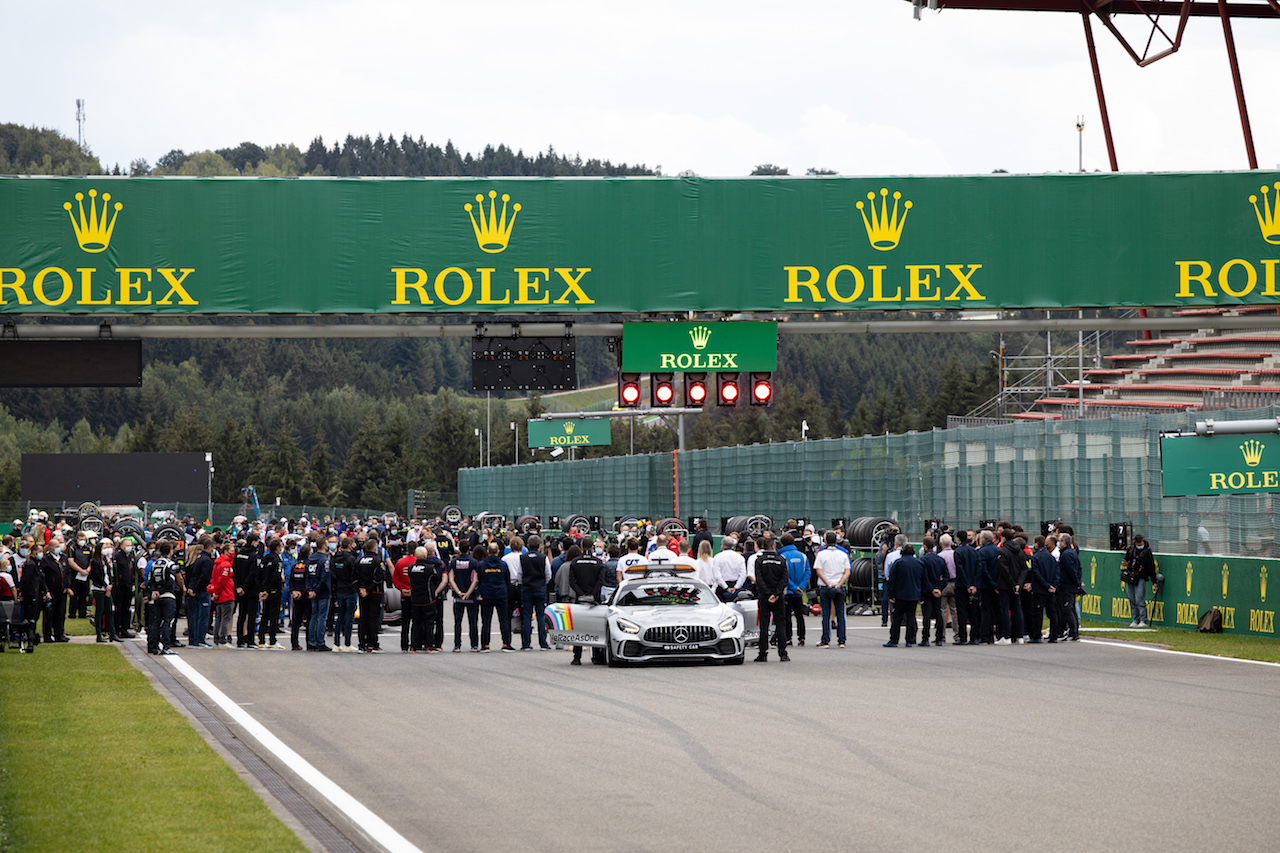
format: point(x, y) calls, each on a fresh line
point(649, 617)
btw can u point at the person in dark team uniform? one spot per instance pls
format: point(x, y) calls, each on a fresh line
point(76, 569)
point(967, 603)
point(904, 587)
point(34, 593)
point(494, 580)
point(342, 567)
point(104, 626)
point(245, 567)
point(427, 581)
point(299, 603)
point(771, 574)
point(123, 570)
point(1043, 579)
point(936, 578)
point(371, 580)
point(535, 572)
point(989, 599)
point(52, 565)
point(270, 583)
point(587, 577)
point(319, 590)
point(162, 590)
point(463, 580)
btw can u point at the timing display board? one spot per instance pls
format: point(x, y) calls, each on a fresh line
point(115, 478)
point(71, 364)
point(524, 246)
point(524, 364)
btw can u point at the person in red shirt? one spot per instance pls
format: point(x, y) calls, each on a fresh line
point(400, 580)
point(223, 590)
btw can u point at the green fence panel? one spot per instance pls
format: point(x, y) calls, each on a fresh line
point(1088, 473)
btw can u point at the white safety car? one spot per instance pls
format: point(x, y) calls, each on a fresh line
point(660, 612)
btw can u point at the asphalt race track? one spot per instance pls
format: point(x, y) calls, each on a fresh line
point(1088, 746)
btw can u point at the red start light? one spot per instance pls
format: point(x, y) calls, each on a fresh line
point(697, 393)
point(762, 391)
point(631, 394)
point(729, 392)
point(665, 393)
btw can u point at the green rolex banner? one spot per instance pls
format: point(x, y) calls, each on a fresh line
point(1220, 464)
point(569, 433)
point(110, 245)
point(694, 347)
point(1192, 586)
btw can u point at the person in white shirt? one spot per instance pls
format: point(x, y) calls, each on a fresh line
point(633, 557)
point(832, 568)
point(662, 552)
point(706, 568)
point(730, 569)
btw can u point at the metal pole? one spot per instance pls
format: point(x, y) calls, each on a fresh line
point(1080, 367)
point(1097, 84)
point(1235, 78)
point(680, 431)
point(488, 415)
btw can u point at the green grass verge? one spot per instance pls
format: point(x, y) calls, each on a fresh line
point(1223, 645)
point(93, 758)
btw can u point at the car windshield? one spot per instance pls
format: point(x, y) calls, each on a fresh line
point(659, 593)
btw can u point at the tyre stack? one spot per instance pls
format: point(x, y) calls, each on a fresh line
point(870, 532)
point(862, 586)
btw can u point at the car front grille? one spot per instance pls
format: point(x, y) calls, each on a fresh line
point(691, 634)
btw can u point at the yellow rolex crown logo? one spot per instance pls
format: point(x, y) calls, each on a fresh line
point(492, 232)
point(1268, 217)
point(1262, 577)
point(568, 427)
point(884, 230)
point(1189, 578)
point(1226, 573)
point(699, 335)
point(93, 234)
point(1252, 450)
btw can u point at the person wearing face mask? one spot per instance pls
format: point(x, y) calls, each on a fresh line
point(342, 568)
point(122, 571)
point(245, 568)
point(55, 580)
point(76, 568)
point(162, 591)
point(270, 583)
point(222, 589)
point(198, 577)
point(31, 587)
point(100, 587)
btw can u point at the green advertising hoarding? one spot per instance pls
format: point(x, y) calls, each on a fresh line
point(105, 245)
point(1219, 464)
point(569, 433)
point(1193, 585)
point(670, 347)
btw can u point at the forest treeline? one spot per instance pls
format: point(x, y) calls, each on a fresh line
point(358, 422)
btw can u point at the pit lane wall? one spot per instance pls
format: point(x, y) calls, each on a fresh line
point(1193, 585)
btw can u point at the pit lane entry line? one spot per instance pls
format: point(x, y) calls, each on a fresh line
point(1141, 648)
point(377, 829)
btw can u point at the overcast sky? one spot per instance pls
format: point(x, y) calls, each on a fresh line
point(715, 87)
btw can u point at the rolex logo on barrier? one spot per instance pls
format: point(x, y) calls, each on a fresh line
point(492, 232)
point(93, 234)
point(1189, 578)
point(568, 427)
point(699, 336)
point(1252, 451)
point(883, 230)
point(1226, 574)
point(1268, 217)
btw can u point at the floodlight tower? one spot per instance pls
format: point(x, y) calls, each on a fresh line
point(80, 120)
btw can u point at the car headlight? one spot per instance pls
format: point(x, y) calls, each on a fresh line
point(730, 622)
point(627, 626)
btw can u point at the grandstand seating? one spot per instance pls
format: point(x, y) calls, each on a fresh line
point(1172, 371)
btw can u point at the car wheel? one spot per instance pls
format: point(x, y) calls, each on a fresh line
point(608, 651)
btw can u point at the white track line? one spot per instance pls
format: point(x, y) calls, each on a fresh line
point(377, 828)
point(1137, 648)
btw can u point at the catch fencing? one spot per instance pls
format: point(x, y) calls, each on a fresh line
point(222, 513)
point(1085, 472)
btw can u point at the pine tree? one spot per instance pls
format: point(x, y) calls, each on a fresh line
point(367, 471)
point(144, 439)
point(283, 472)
